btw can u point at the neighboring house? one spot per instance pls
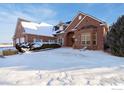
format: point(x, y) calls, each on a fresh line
point(83, 31)
point(27, 31)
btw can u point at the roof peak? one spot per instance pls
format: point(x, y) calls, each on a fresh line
point(91, 17)
point(22, 19)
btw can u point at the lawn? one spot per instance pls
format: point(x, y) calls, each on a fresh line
point(62, 66)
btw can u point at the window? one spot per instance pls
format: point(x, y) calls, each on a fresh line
point(37, 40)
point(80, 17)
point(51, 41)
point(34, 39)
point(94, 38)
point(22, 40)
point(17, 40)
point(86, 39)
point(41, 40)
point(60, 41)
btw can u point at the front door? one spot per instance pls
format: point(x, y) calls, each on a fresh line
point(70, 39)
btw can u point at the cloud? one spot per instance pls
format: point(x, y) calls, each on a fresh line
point(7, 17)
point(27, 11)
point(47, 13)
point(41, 12)
point(10, 13)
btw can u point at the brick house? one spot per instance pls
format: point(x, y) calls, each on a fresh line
point(27, 31)
point(83, 31)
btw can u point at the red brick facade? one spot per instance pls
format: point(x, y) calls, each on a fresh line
point(80, 25)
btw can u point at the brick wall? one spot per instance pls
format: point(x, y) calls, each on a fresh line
point(100, 30)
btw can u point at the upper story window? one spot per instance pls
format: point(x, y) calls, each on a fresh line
point(80, 17)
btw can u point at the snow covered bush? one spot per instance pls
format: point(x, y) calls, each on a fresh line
point(115, 37)
point(50, 46)
point(46, 46)
point(18, 47)
point(23, 47)
point(37, 44)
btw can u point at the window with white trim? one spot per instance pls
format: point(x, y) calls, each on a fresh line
point(60, 41)
point(51, 41)
point(22, 40)
point(41, 40)
point(37, 40)
point(86, 39)
point(17, 40)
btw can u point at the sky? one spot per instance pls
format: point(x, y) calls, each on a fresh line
point(52, 14)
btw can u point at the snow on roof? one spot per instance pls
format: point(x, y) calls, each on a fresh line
point(30, 25)
point(38, 29)
point(44, 24)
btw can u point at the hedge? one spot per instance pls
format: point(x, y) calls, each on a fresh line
point(9, 52)
point(45, 46)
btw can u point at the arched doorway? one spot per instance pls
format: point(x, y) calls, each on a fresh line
point(70, 39)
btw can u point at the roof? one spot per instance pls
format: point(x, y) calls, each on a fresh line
point(93, 17)
point(37, 28)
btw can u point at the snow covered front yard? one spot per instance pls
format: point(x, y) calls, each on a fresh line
point(62, 66)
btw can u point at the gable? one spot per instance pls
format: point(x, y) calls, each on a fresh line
point(84, 19)
point(19, 29)
point(88, 22)
point(75, 21)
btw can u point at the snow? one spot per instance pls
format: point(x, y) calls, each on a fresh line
point(44, 24)
point(62, 66)
point(37, 44)
point(30, 25)
point(2, 46)
point(6, 48)
point(38, 29)
point(47, 31)
point(34, 26)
